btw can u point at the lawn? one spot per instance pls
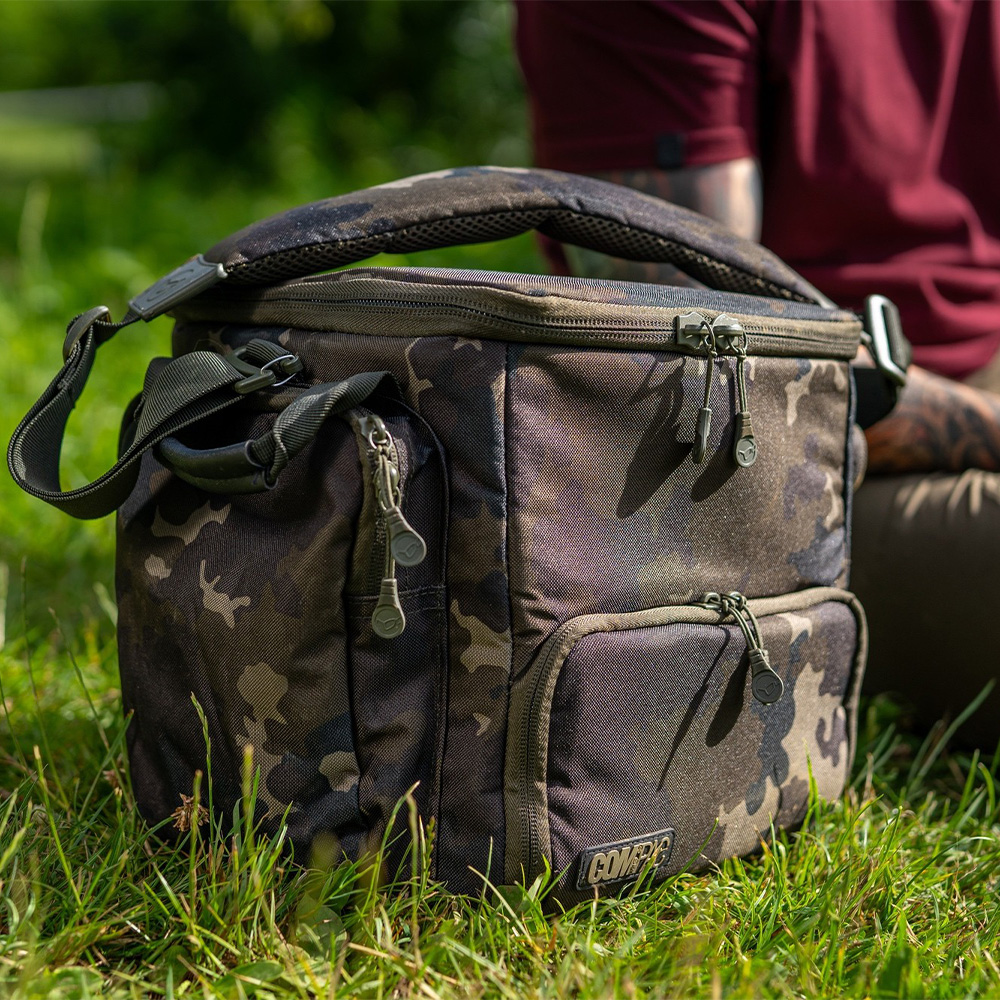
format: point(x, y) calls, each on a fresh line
point(893, 891)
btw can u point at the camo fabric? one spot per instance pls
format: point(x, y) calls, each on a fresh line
point(543, 448)
point(458, 386)
point(244, 610)
point(474, 204)
point(695, 752)
point(653, 528)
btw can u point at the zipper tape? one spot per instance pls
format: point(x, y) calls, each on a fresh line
point(408, 309)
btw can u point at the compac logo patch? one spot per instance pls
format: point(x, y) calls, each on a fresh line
point(625, 859)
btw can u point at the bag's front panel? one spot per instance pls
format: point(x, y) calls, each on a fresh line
point(608, 512)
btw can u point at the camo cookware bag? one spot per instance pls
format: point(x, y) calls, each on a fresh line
point(565, 557)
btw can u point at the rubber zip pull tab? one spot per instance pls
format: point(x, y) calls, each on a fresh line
point(696, 333)
point(731, 338)
point(744, 443)
point(766, 685)
point(704, 425)
point(406, 545)
point(388, 620)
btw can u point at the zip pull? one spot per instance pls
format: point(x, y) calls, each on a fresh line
point(730, 337)
point(694, 330)
point(766, 685)
point(744, 443)
point(405, 543)
point(704, 425)
point(388, 620)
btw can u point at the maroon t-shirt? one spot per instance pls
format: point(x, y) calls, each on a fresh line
point(876, 124)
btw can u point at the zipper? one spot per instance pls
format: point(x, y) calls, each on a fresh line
point(571, 287)
point(511, 315)
point(766, 685)
point(401, 542)
point(722, 335)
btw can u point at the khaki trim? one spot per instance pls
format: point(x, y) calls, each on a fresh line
point(381, 307)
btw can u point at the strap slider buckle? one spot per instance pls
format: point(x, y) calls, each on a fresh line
point(885, 340)
point(80, 327)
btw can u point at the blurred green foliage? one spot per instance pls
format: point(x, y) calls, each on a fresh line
point(224, 102)
point(272, 89)
point(134, 134)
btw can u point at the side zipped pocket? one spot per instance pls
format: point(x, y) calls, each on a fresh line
point(673, 737)
point(394, 539)
point(396, 618)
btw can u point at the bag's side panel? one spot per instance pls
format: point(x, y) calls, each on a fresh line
point(238, 601)
point(458, 386)
point(608, 513)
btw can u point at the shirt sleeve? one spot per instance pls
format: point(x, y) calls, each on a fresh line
point(639, 85)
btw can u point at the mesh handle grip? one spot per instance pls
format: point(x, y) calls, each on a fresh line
point(477, 204)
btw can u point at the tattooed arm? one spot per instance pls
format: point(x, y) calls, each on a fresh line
point(727, 192)
point(938, 425)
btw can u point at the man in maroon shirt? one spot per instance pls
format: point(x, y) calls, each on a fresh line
point(855, 139)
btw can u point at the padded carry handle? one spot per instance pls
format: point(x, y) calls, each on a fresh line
point(476, 204)
point(468, 205)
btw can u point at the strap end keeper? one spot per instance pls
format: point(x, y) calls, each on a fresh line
point(885, 340)
point(183, 283)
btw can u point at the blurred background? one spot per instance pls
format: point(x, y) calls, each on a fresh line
point(135, 134)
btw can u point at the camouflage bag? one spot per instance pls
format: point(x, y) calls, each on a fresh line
point(510, 541)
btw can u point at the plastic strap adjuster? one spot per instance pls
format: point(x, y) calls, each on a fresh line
point(879, 388)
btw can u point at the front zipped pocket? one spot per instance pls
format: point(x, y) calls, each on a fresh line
point(647, 738)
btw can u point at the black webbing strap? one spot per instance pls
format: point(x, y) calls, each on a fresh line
point(298, 423)
point(187, 389)
point(250, 466)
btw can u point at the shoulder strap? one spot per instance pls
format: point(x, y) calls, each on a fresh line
point(185, 390)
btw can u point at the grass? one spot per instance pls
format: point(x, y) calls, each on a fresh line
point(890, 892)
point(893, 891)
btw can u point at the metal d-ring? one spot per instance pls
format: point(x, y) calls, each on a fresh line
point(269, 366)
